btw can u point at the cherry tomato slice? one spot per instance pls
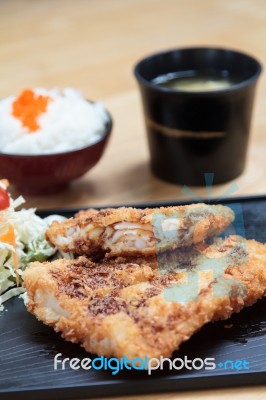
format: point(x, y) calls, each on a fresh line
point(4, 199)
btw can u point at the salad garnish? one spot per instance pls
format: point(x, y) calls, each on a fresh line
point(22, 240)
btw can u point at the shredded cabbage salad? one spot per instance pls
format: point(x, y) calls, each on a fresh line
point(22, 240)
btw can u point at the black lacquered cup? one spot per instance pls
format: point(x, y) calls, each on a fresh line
point(193, 133)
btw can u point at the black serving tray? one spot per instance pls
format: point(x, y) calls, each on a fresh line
point(27, 347)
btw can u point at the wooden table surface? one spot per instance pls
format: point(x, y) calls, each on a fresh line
point(92, 45)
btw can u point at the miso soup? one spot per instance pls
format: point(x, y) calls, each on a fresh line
point(195, 81)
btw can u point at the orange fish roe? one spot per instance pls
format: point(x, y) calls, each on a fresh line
point(28, 106)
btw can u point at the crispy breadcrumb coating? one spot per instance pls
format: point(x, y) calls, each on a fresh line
point(118, 308)
point(136, 232)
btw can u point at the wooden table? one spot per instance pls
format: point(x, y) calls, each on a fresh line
point(93, 45)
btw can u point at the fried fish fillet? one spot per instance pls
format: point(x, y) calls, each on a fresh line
point(119, 308)
point(130, 231)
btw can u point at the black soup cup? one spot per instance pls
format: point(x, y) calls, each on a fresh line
point(191, 133)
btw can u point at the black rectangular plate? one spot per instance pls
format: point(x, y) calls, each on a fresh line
point(27, 347)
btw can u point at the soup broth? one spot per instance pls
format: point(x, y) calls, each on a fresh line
point(195, 82)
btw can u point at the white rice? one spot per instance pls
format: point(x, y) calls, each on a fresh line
point(69, 123)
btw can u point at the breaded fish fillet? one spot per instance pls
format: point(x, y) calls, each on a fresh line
point(130, 231)
point(117, 308)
